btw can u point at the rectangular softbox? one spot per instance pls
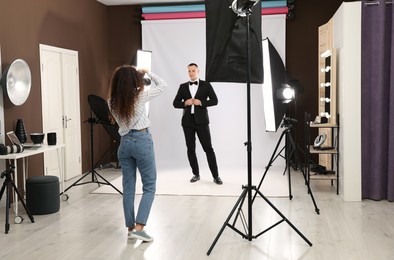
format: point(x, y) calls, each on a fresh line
point(226, 43)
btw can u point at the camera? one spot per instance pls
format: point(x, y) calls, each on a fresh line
point(147, 80)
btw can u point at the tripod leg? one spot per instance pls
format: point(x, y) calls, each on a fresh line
point(107, 182)
point(23, 202)
point(240, 200)
point(2, 190)
point(7, 209)
point(76, 182)
point(284, 219)
point(288, 156)
point(272, 159)
point(298, 161)
point(94, 180)
point(239, 211)
point(288, 173)
point(7, 205)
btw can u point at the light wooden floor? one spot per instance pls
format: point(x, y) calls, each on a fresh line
point(90, 226)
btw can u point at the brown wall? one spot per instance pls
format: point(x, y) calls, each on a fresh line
point(106, 37)
point(72, 24)
point(124, 34)
point(302, 56)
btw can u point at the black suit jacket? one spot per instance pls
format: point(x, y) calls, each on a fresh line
point(208, 98)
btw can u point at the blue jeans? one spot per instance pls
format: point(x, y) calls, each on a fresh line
point(136, 151)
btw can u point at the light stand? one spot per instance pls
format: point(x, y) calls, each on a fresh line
point(8, 184)
point(92, 171)
point(290, 150)
point(248, 189)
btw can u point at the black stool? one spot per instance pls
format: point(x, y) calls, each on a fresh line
point(42, 194)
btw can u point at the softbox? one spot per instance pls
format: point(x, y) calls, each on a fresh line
point(275, 76)
point(226, 43)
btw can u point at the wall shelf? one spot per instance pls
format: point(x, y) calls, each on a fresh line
point(331, 171)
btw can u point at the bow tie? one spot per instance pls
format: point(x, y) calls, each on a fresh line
point(194, 82)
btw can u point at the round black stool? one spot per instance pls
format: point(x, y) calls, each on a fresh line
point(42, 194)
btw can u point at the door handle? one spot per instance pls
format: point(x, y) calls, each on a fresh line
point(65, 120)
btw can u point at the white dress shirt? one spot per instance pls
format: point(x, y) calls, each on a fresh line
point(193, 89)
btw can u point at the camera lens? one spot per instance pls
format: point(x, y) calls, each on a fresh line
point(147, 81)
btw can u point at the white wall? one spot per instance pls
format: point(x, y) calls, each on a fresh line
point(176, 43)
point(347, 41)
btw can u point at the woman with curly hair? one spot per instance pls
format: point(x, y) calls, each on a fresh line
point(126, 101)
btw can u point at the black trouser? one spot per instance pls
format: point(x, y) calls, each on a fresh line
point(204, 136)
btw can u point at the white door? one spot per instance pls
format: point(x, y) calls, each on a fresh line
point(61, 108)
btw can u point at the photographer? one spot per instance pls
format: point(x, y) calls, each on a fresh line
point(127, 99)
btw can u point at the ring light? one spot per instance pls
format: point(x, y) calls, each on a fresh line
point(16, 82)
point(320, 139)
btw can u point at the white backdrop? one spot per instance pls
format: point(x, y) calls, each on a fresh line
point(175, 44)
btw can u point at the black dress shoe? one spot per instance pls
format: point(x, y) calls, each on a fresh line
point(195, 178)
point(218, 181)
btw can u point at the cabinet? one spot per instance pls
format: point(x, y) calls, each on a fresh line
point(327, 167)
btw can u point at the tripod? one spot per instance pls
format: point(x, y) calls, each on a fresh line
point(248, 189)
point(290, 150)
point(8, 184)
point(92, 171)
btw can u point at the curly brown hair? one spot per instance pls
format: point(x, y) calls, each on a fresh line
point(125, 86)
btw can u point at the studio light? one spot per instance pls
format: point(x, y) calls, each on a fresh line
point(286, 93)
point(16, 82)
point(274, 77)
point(240, 7)
point(143, 60)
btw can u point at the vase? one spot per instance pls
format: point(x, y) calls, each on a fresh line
point(20, 131)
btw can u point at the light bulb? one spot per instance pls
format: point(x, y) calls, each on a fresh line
point(326, 54)
point(325, 114)
point(288, 93)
